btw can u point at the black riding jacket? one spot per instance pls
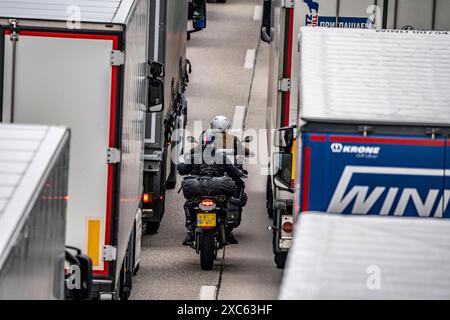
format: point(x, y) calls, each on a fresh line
point(210, 168)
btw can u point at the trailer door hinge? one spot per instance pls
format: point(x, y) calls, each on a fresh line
point(288, 4)
point(117, 58)
point(109, 253)
point(114, 156)
point(14, 34)
point(284, 85)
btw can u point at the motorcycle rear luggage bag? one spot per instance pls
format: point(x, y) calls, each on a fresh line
point(207, 186)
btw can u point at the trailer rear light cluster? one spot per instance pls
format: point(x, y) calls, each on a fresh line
point(288, 227)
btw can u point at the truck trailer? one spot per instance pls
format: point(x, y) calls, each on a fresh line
point(88, 67)
point(34, 172)
point(336, 257)
point(281, 23)
point(373, 130)
point(164, 130)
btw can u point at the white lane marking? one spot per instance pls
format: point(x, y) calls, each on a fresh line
point(208, 293)
point(238, 120)
point(250, 59)
point(257, 15)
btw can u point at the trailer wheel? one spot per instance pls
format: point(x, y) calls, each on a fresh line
point(126, 272)
point(123, 293)
point(269, 197)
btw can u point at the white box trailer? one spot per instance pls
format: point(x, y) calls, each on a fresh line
point(362, 257)
point(34, 168)
point(281, 26)
point(86, 67)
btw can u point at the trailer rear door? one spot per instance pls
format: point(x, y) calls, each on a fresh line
point(418, 14)
point(67, 79)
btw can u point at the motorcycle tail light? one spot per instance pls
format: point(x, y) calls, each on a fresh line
point(207, 203)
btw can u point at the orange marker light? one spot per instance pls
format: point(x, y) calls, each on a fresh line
point(147, 198)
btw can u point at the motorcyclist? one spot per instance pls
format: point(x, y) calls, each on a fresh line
point(220, 127)
point(224, 139)
point(206, 160)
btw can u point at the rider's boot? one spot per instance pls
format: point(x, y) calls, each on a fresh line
point(190, 225)
point(230, 237)
point(190, 238)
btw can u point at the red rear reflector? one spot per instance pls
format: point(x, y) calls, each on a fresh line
point(147, 198)
point(207, 203)
point(287, 227)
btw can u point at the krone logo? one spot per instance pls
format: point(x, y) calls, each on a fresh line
point(337, 147)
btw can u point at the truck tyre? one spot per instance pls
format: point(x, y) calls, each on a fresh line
point(152, 224)
point(152, 227)
point(207, 250)
point(280, 259)
point(126, 272)
point(123, 293)
point(269, 197)
point(136, 269)
point(172, 181)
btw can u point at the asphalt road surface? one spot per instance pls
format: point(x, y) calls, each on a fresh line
point(226, 80)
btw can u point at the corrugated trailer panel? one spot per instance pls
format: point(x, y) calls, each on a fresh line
point(361, 76)
point(33, 200)
point(339, 257)
point(104, 11)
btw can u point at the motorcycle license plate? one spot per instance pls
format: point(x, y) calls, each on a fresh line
point(206, 220)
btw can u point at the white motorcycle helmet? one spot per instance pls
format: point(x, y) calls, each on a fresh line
point(221, 123)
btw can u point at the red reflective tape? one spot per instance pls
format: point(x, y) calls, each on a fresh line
point(400, 141)
point(287, 106)
point(318, 138)
point(306, 179)
point(67, 35)
point(112, 143)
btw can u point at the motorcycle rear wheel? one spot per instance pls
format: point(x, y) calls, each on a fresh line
point(207, 250)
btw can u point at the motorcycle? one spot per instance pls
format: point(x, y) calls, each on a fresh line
point(210, 232)
point(214, 214)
